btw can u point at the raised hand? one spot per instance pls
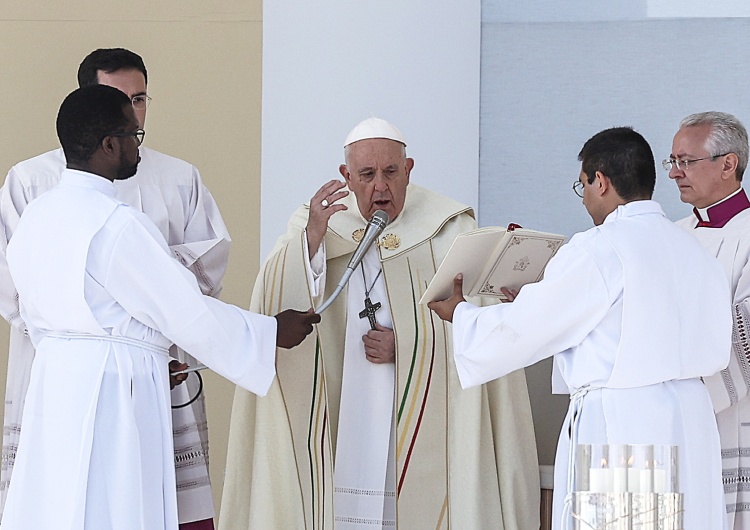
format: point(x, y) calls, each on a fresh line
point(293, 326)
point(322, 207)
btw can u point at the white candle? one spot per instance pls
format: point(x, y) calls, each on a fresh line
point(660, 481)
point(619, 480)
point(634, 481)
point(646, 481)
point(601, 480)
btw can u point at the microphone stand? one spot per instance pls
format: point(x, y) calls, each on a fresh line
point(374, 228)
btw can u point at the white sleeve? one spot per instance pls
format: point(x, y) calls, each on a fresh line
point(13, 201)
point(205, 248)
point(315, 268)
point(137, 271)
point(546, 318)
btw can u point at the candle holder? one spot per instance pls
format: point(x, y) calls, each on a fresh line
point(601, 511)
point(670, 511)
point(641, 469)
point(619, 454)
point(601, 476)
point(666, 469)
point(626, 487)
point(643, 511)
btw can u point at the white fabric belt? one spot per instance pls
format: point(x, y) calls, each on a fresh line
point(576, 404)
point(155, 348)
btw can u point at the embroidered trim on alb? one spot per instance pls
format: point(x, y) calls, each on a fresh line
point(357, 491)
point(360, 520)
point(740, 348)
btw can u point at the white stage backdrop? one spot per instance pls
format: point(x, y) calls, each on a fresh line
point(329, 64)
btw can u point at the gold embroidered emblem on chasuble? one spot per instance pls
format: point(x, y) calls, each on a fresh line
point(357, 234)
point(390, 241)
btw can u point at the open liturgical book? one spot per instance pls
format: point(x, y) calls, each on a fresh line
point(491, 258)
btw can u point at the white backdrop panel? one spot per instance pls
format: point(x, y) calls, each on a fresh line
point(601, 10)
point(547, 88)
point(556, 11)
point(329, 64)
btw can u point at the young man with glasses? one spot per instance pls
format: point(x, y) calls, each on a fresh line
point(630, 310)
point(709, 156)
point(170, 192)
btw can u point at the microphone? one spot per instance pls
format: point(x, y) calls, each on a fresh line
point(374, 228)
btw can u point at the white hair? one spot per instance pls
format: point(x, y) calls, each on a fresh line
point(727, 135)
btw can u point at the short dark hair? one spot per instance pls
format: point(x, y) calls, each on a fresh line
point(108, 60)
point(87, 115)
point(625, 157)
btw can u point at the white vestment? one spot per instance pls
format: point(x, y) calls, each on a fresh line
point(729, 388)
point(634, 313)
point(96, 446)
point(170, 192)
point(364, 472)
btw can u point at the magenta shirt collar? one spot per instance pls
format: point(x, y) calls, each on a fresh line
point(721, 213)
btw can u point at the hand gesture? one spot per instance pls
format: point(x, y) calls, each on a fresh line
point(380, 345)
point(322, 207)
point(293, 326)
point(445, 308)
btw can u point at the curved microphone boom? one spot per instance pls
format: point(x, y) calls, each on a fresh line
point(374, 228)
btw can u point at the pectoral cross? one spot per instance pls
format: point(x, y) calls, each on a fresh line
point(369, 311)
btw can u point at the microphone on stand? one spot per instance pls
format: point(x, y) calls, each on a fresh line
point(374, 228)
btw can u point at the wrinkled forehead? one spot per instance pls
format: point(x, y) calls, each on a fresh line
point(374, 152)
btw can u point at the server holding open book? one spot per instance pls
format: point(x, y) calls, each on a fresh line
point(634, 312)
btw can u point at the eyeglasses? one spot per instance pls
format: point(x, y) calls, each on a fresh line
point(138, 135)
point(684, 163)
point(141, 101)
point(578, 188)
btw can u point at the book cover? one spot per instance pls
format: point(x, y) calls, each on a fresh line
point(493, 257)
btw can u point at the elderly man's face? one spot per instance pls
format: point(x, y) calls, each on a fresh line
point(377, 172)
point(129, 81)
point(702, 183)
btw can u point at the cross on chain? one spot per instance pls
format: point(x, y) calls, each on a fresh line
point(369, 311)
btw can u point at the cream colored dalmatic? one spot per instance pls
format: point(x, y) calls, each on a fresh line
point(462, 459)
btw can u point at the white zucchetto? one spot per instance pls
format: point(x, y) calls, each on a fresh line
point(374, 128)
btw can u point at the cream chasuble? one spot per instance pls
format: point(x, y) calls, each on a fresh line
point(462, 459)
